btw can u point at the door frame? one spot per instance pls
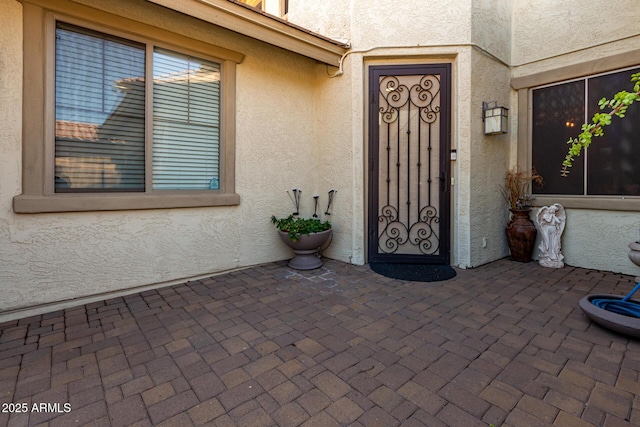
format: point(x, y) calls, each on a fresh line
point(444, 70)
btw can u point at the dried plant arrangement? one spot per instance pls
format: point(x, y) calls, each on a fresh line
point(516, 188)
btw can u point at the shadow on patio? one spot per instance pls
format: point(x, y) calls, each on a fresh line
point(503, 344)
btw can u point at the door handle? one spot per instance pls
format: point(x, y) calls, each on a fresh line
point(443, 182)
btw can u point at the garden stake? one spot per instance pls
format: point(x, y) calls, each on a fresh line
point(296, 200)
point(331, 194)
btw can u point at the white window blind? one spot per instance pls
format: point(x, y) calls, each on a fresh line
point(186, 122)
point(100, 96)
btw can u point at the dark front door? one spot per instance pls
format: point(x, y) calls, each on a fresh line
point(409, 163)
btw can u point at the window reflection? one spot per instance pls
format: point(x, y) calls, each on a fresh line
point(611, 164)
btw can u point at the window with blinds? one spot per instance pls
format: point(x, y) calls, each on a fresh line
point(186, 122)
point(100, 96)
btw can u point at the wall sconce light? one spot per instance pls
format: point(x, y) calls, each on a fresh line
point(495, 118)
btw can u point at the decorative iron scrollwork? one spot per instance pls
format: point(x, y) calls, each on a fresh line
point(398, 95)
point(418, 230)
point(420, 234)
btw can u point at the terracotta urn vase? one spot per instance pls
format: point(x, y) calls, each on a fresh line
point(521, 235)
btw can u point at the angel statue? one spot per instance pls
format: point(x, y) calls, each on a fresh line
point(551, 220)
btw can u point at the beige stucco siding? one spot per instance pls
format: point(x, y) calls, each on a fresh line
point(276, 141)
point(434, 31)
point(545, 30)
point(297, 126)
point(46, 258)
point(338, 155)
point(391, 23)
point(489, 159)
point(599, 240)
point(11, 266)
point(491, 27)
point(558, 41)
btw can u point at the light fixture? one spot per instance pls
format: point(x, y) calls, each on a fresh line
point(495, 118)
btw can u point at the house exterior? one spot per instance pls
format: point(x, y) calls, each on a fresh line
point(303, 101)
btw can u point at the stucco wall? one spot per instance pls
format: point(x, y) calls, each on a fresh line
point(491, 27)
point(528, 36)
point(442, 31)
point(298, 127)
point(600, 244)
point(331, 18)
point(490, 159)
point(390, 23)
point(10, 134)
point(545, 29)
point(339, 160)
point(58, 257)
point(488, 81)
point(577, 32)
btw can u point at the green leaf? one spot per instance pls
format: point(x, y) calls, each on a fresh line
point(618, 106)
point(296, 226)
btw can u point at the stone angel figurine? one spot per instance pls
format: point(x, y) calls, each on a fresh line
point(551, 221)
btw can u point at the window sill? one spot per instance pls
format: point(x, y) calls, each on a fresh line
point(611, 203)
point(117, 202)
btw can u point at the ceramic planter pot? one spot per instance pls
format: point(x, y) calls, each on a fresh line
point(634, 252)
point(627, 323)
point(616, 322)
point(306, 249)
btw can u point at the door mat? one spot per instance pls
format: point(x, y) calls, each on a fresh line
point(414, 272)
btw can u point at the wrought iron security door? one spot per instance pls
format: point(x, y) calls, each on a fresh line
point(409, 128)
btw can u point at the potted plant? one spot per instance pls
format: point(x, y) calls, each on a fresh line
point(305, 236)
point(521, 231)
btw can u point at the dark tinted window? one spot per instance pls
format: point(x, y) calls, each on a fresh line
point(558, 113)
point(612, 162)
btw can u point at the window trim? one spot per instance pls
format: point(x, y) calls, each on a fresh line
point(524, 86)
point(38, 121)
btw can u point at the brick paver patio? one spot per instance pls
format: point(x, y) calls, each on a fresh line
point(503, 344)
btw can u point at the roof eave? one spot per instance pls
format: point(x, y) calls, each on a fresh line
point(261, 26)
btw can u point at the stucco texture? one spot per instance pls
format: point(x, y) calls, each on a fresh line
point(386, 23)
point(490, 158)
point(299, 127)
point(491, 27)
point(577, 32)
point(547, 29)
point(339, 153)
point(437, 31)
point(583, 238)
point(47, 258)
point(10, 140)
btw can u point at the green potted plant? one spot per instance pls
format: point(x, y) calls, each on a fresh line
point(520, 230)
point(305, 236)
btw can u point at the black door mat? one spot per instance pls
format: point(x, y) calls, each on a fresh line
point(414, 272)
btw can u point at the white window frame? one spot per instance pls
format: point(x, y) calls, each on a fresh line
point(38, 194)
